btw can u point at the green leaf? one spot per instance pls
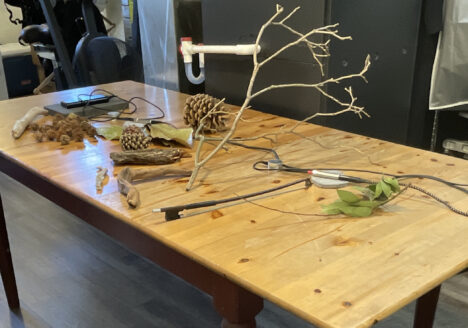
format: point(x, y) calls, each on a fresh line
point(361, 189)
point(393, 183)
point(336, 204)
point(330, 211)
point(168, 132)
point(357, 211)
point(372, 187)
point(369, 203)
point(110, 132)
point(334, 208)
point(378, 190)
point(348, 196)
point(386, 188)
point(368, 193)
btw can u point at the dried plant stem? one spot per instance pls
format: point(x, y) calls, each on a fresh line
point(318, 51)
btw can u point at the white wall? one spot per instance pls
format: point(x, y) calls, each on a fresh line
point(113, 12)
point(9, 32)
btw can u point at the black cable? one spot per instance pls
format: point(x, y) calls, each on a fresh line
point(287, 168)
point(271, 150)
point(129, 102)
point(15, 21)
point(172, 212)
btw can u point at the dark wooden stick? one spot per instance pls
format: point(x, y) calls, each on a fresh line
point(237, 306)
point(128, 175)
point(6, 264)
point(148, 156)
point(426, 307)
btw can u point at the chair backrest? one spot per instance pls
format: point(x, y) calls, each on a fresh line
point(106, 59)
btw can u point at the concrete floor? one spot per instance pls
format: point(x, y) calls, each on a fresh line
point(71, 275)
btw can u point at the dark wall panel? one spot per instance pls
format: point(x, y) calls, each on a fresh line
point(237, 22)
point(388, 31)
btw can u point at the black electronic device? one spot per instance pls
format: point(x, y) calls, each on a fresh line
point(88, 100)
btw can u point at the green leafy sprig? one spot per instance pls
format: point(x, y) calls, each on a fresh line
point(363, 205)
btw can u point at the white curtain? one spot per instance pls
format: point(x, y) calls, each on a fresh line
point(3, 85)
point(158, 43)
point(449, 87)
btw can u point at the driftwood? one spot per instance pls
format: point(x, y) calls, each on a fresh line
point(148, 156)
point(128, 175)
point(23, 122)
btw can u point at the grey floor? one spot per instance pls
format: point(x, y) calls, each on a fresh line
point(70, 275)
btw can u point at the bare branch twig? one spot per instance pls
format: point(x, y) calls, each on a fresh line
point(318, 50)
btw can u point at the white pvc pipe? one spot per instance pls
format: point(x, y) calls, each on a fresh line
point(188, 49)
point(194, 79)
point(239, 49)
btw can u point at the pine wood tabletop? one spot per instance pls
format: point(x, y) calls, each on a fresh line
point(332, 271)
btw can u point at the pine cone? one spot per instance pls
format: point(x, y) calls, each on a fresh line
point(133, 138)
point(196, 107)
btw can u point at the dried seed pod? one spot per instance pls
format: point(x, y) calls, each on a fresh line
point(197, 107)
point(133, 138)
point(72, 126)
point(79, 136)
point(38, 135)
point(85, 125)
point(91, 131)
point(34, 126)
point(58, 117)
point(64, 139)
point(51, 134)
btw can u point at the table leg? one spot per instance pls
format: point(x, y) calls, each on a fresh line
point(237, 306)
point(426, 307)
point(6, 265)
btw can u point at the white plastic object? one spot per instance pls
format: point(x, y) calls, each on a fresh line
point(188, 49)
point(327, 179)
point(189, 73)
point(450, 71)
point(274, 164)
point(334, 175)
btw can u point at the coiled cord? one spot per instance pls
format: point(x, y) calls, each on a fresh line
point(436, 198)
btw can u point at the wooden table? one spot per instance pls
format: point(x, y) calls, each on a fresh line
point(331, 271)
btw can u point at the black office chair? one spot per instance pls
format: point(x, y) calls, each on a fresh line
point(105, 59)
point(102, 59)
point(96, 59)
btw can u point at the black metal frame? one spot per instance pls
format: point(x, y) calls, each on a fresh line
point(64, 58)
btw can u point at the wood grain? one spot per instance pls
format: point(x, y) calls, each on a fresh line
point(334, 272)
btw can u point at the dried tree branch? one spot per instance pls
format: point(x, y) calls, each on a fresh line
point(318, 50)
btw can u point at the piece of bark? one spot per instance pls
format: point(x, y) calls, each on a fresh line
point(100, 176)
point(147, 156)
point(23, 122)
point(128, 175)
